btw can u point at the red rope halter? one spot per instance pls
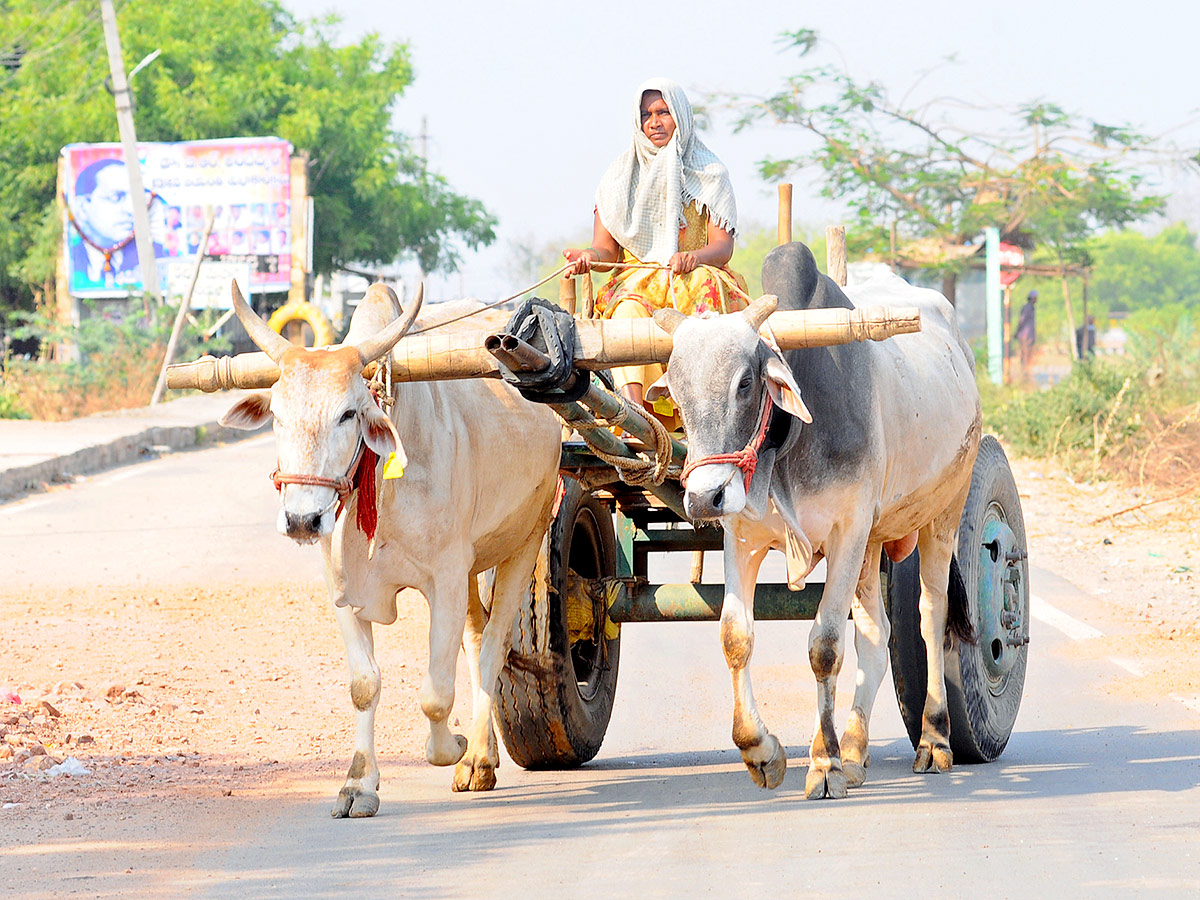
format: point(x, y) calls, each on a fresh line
point(745, 459)
point(360, 476)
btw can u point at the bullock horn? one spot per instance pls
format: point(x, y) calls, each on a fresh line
point(267, 339)
point(379, 344)
point(668, 319)
point(756, 313)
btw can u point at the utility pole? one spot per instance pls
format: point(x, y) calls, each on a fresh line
point(424, 145)
point(137, 193)
point(993, 305)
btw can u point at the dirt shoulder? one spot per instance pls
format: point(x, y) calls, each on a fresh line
point(1136, 554)
point(194, 709)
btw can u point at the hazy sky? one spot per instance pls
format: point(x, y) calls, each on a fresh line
point(527, 103)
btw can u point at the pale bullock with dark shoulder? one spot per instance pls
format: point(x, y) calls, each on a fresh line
point(861, 448)
point(480, 469)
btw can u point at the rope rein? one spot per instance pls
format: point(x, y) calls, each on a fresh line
point(552, 275)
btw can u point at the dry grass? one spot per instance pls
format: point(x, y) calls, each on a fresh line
point(55, 392)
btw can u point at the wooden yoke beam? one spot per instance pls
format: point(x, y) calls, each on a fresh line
point(603, 343)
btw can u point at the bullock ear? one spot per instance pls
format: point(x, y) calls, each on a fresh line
point(785, 393)
point(252, 411)
point(660, 390)
point(668, 319)
point(380, 434)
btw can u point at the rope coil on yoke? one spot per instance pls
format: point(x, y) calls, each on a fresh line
point(637, 471)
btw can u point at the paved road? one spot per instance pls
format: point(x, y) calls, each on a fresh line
point(1096, 796)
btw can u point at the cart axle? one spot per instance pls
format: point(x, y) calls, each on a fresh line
point(639, 601)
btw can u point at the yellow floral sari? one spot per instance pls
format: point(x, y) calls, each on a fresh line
point(706, 289)
point(636, 293)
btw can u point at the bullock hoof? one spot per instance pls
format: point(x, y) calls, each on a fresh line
point(445, 753)
point(932, 758)
point(355, 803)
point(821, 783)
point(855, 774)
point(478, 777)
point(766, 773)
point(855, 768)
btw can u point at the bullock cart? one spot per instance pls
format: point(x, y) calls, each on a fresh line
point(621, 500)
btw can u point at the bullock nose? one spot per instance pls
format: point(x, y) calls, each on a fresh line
point(705, 504)
point(302, 526)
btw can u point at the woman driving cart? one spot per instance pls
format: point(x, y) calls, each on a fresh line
point(665, 212)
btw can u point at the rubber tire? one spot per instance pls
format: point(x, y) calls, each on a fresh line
point(308, 314)
point(546, 720)
point(983, 713)
point(980, 721)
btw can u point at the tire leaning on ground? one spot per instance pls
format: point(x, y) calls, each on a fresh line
point(289, 320)
point(985, 680)
point(555, 696)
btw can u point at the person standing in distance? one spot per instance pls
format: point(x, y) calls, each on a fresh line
point(1027, 331)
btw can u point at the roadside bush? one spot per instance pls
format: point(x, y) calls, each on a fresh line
point(1133, 417)
point(113, 364)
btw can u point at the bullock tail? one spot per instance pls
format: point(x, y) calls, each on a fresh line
point(958, 615)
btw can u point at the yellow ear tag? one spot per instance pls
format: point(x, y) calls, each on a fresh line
point(392, 467)
point(664, 406)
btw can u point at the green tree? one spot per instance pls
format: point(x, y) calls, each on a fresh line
point(227, 68)
point(1131, 271)
point(942, 174)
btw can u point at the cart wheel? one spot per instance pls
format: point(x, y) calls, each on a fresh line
point(557, 688)
point(302, 324)
point(984, 681)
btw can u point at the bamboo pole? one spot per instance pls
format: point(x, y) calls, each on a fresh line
point(185, 303)
point(602, 344)
point(785, 213)
point(589, 298)
point(835, 253)
point(566, 293)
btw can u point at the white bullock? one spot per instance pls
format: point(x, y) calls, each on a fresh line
point(861, 448)
point(480, 468)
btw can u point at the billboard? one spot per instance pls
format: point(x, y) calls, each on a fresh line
point(246, 182)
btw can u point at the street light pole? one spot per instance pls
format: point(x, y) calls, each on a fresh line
point(137, 193)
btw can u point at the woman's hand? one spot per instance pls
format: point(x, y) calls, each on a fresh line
point(683, 262)
point(583, 260)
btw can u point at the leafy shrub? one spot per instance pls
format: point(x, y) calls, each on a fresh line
point(1115, 417)
point(113, 363)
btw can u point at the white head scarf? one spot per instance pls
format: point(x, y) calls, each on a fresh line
point(642, 196)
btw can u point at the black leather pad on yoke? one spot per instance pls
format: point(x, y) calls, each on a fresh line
point(550, 329)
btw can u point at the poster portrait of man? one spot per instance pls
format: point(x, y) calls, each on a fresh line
point(242, 183)
point(104, 253)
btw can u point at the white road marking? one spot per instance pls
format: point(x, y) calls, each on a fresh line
point(121, 476)
point(1128, 665)
point(1192, 703)
point(23, 507)
point(1060, 621)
